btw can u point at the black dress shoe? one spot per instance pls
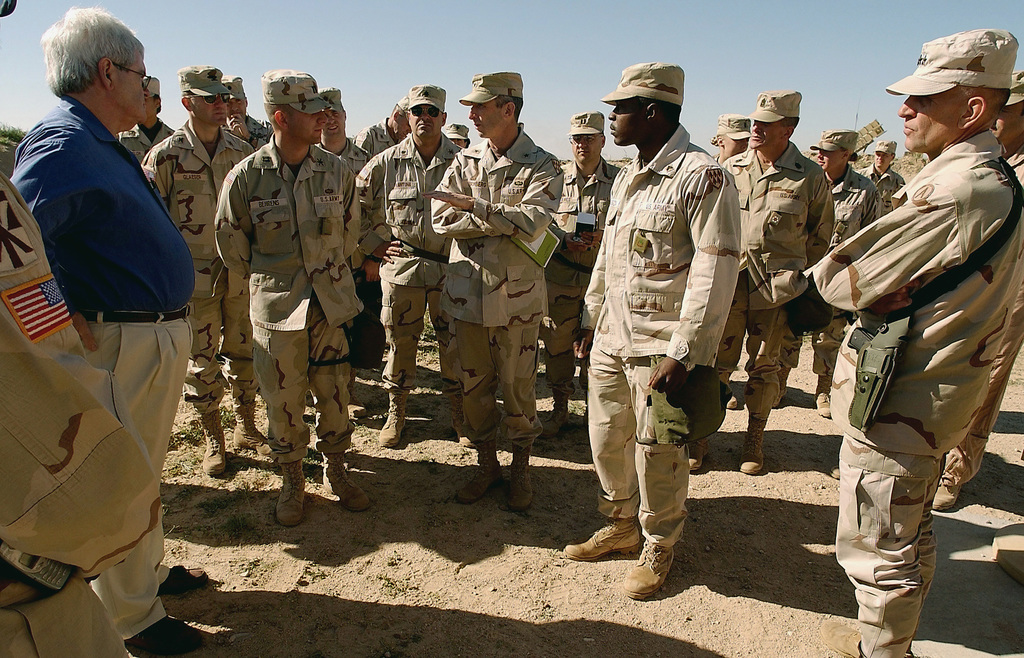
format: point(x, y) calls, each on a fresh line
point(180, 580)
point(167, 637)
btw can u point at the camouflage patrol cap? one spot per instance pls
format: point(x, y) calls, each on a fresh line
point(884, 146)
point(976, 58)
point(654, 80)
point(1016, 88)
point(234, 85)
point(586, 123)
point(733, 126)
point(293, 88)
point(426, 95)
point(456, 131)
point(488, 86)
point(834, 140)
point(777, 105)
point(201, 81)
point(153, 87)
point(333, 97)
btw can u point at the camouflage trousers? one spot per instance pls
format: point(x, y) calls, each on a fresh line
point(765, 329)
point(290, 363)
point(558, 331)
point(885, 543)
point(221, 331)
point(402, 317)
point(964, 461)
point(639, 477)
point(825, 344)
point(487, 357)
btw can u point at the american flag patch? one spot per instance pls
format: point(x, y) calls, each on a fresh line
point(38, 307)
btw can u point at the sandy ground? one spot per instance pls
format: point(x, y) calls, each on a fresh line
point(421, 575)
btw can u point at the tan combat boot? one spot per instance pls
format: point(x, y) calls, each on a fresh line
point(336, 482)
point(945, 496)
point(520, 495)
point(458, 418)
point(840, 638)
point(783, 382)
point(247, 436)
point(356, 409)
point(558, 417)
point(214, 460)
point(650, 571)
point(753, 457)
point(822, 396)
point(698, 450)
point(617, 536)
point(488, 474)
point(391, 433)
point(293, 492)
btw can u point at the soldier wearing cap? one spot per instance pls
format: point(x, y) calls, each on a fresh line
point(503, 188)
point(787, 223)
point(731, 136)
point(962, 462)
point(654, 310)
point(287, 220)
point(374, 139)
point(254, 132)
point(151, 131)
point(587, 188)
point(188, 170)
point(458, 133)
point(414, 256)
point(856, 204)
point(889, 471)
point(881, 174)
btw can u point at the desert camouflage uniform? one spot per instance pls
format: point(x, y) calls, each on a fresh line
point(260, 132)
point(375, 139)
point(889, 474)
point(856, 204)
point(355, 157)
point(189, 181)
point(567, 281)
point(136, 141)
point(391, 190)
point(787, 217)
point(494, 291)
point(661, 287)
point(888, 184)
point(291, 235)
point(963, 461)
point(59, 445)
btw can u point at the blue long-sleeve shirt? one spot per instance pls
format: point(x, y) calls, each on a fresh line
point(109, 238)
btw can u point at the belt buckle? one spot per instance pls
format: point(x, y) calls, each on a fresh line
point(159, 317)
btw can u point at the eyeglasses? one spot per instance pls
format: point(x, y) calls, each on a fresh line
point(210, 100)
point(145, 78)
point(582, 139)
point(429, 109)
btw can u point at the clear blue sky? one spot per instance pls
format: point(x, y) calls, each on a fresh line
point(570, 54)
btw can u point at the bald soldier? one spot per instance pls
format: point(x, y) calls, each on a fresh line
point(856, 205)
point(458, 133)
point(287, 220)
point(374, 139)
point(963, 461)
point(189, 169)
point(880, 173)
point(787, 214)
point(961, 216)
point(252, 131)
point(578, 224)
point(415, 257)
point(151, 131)
point(504, 188)
point(732, 136)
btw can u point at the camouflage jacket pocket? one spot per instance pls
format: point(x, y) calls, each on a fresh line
point(274, 231)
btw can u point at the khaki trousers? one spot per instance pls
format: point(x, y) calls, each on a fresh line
point(558, 331)
point(489, 356)
point(148, 361)
point(290, 363)
point(646, 480)
point(402, 317)
point(884, 541)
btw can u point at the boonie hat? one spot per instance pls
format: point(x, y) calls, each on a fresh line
point(201, 81)
point(426, 95)
point(153, 87)
point(884, 146)
point(777, 105)
point(1016, 88)
point(292, 88)
point(456, 131)
point(234, 85)
point(833, 140)
point(733, 126)
point(976, 58)
point(488, 86)
point(333, 97)
point(586, 123)
point(654, 80)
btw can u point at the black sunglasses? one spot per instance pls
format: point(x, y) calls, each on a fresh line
point(429, 109)
point(210, 100)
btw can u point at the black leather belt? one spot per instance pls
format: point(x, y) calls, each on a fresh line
point(423, 253)
point(134, 316)
point(576, 266)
